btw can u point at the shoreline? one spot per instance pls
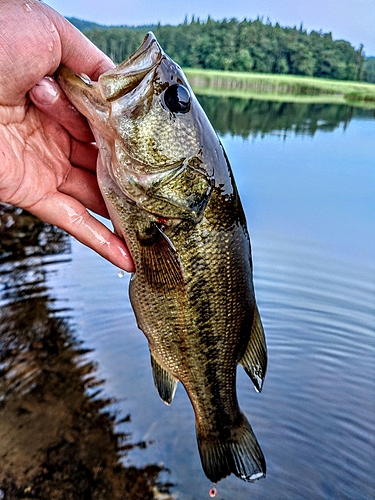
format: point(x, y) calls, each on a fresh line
point(288, 88)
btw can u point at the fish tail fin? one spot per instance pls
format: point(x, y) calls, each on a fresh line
point(239, 454)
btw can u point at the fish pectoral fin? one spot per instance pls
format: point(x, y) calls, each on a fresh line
point(165, 383)
point(238, 453)
point(160, 262)
point(254, 361)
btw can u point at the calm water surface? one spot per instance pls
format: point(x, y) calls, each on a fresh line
point(306, 177)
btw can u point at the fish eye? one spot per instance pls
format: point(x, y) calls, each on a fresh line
point(177, 98)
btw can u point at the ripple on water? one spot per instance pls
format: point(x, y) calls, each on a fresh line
point(316, 414)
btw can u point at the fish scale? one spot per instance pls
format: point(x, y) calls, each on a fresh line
point(171, 194)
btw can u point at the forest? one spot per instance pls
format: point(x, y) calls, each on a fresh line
point(248, 46)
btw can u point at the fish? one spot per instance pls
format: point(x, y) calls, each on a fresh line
point(171, 195)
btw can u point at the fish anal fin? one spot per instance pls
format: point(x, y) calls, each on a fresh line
point(165, 383)
point(254, 360)
point(160, 262)
point(239, 453)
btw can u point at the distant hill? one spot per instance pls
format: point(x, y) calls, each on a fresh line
point(85, 25)
point(88, 25)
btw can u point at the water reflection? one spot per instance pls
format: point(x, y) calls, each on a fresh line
point(251, 117)
point(22, 235)
point(58, 435)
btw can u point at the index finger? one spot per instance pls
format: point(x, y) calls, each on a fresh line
point(51, 100)
point(69, 214)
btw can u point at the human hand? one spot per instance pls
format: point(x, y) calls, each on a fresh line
point(47, 155)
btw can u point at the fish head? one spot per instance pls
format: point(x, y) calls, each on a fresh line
point(152, 109)
point(155, 139)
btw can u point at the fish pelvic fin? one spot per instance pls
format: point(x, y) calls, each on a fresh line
point(239, 454)
point(254, 361)
point(165, 383)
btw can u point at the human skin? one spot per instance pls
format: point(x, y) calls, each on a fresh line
point(47, 156)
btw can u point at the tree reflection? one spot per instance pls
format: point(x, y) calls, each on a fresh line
point(252, 117)
point(57, 433)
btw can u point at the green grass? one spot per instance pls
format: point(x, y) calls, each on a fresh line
point(280, 87)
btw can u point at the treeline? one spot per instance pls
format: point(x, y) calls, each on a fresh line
point(370, 69)
point(250, 46)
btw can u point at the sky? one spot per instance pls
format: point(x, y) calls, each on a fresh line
point(351, 20)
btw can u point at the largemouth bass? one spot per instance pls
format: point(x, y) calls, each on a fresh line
point(171, 194)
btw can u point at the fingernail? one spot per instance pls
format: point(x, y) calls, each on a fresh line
point(46, 91)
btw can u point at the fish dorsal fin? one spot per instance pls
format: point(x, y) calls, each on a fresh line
point(160, 262)
point(165, 383)
point(254, 361)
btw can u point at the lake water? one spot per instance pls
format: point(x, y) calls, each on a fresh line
point(73, 362)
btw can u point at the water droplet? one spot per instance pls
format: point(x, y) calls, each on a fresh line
point(26, 7)
point(120, 273)
point(213, 492)
point(52, 28)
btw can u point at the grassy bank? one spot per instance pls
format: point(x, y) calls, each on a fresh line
point(280, 87)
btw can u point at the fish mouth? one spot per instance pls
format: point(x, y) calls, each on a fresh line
point(93, 98)
point(117, 82)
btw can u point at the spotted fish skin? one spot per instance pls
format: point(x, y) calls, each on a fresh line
point(171, 194)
